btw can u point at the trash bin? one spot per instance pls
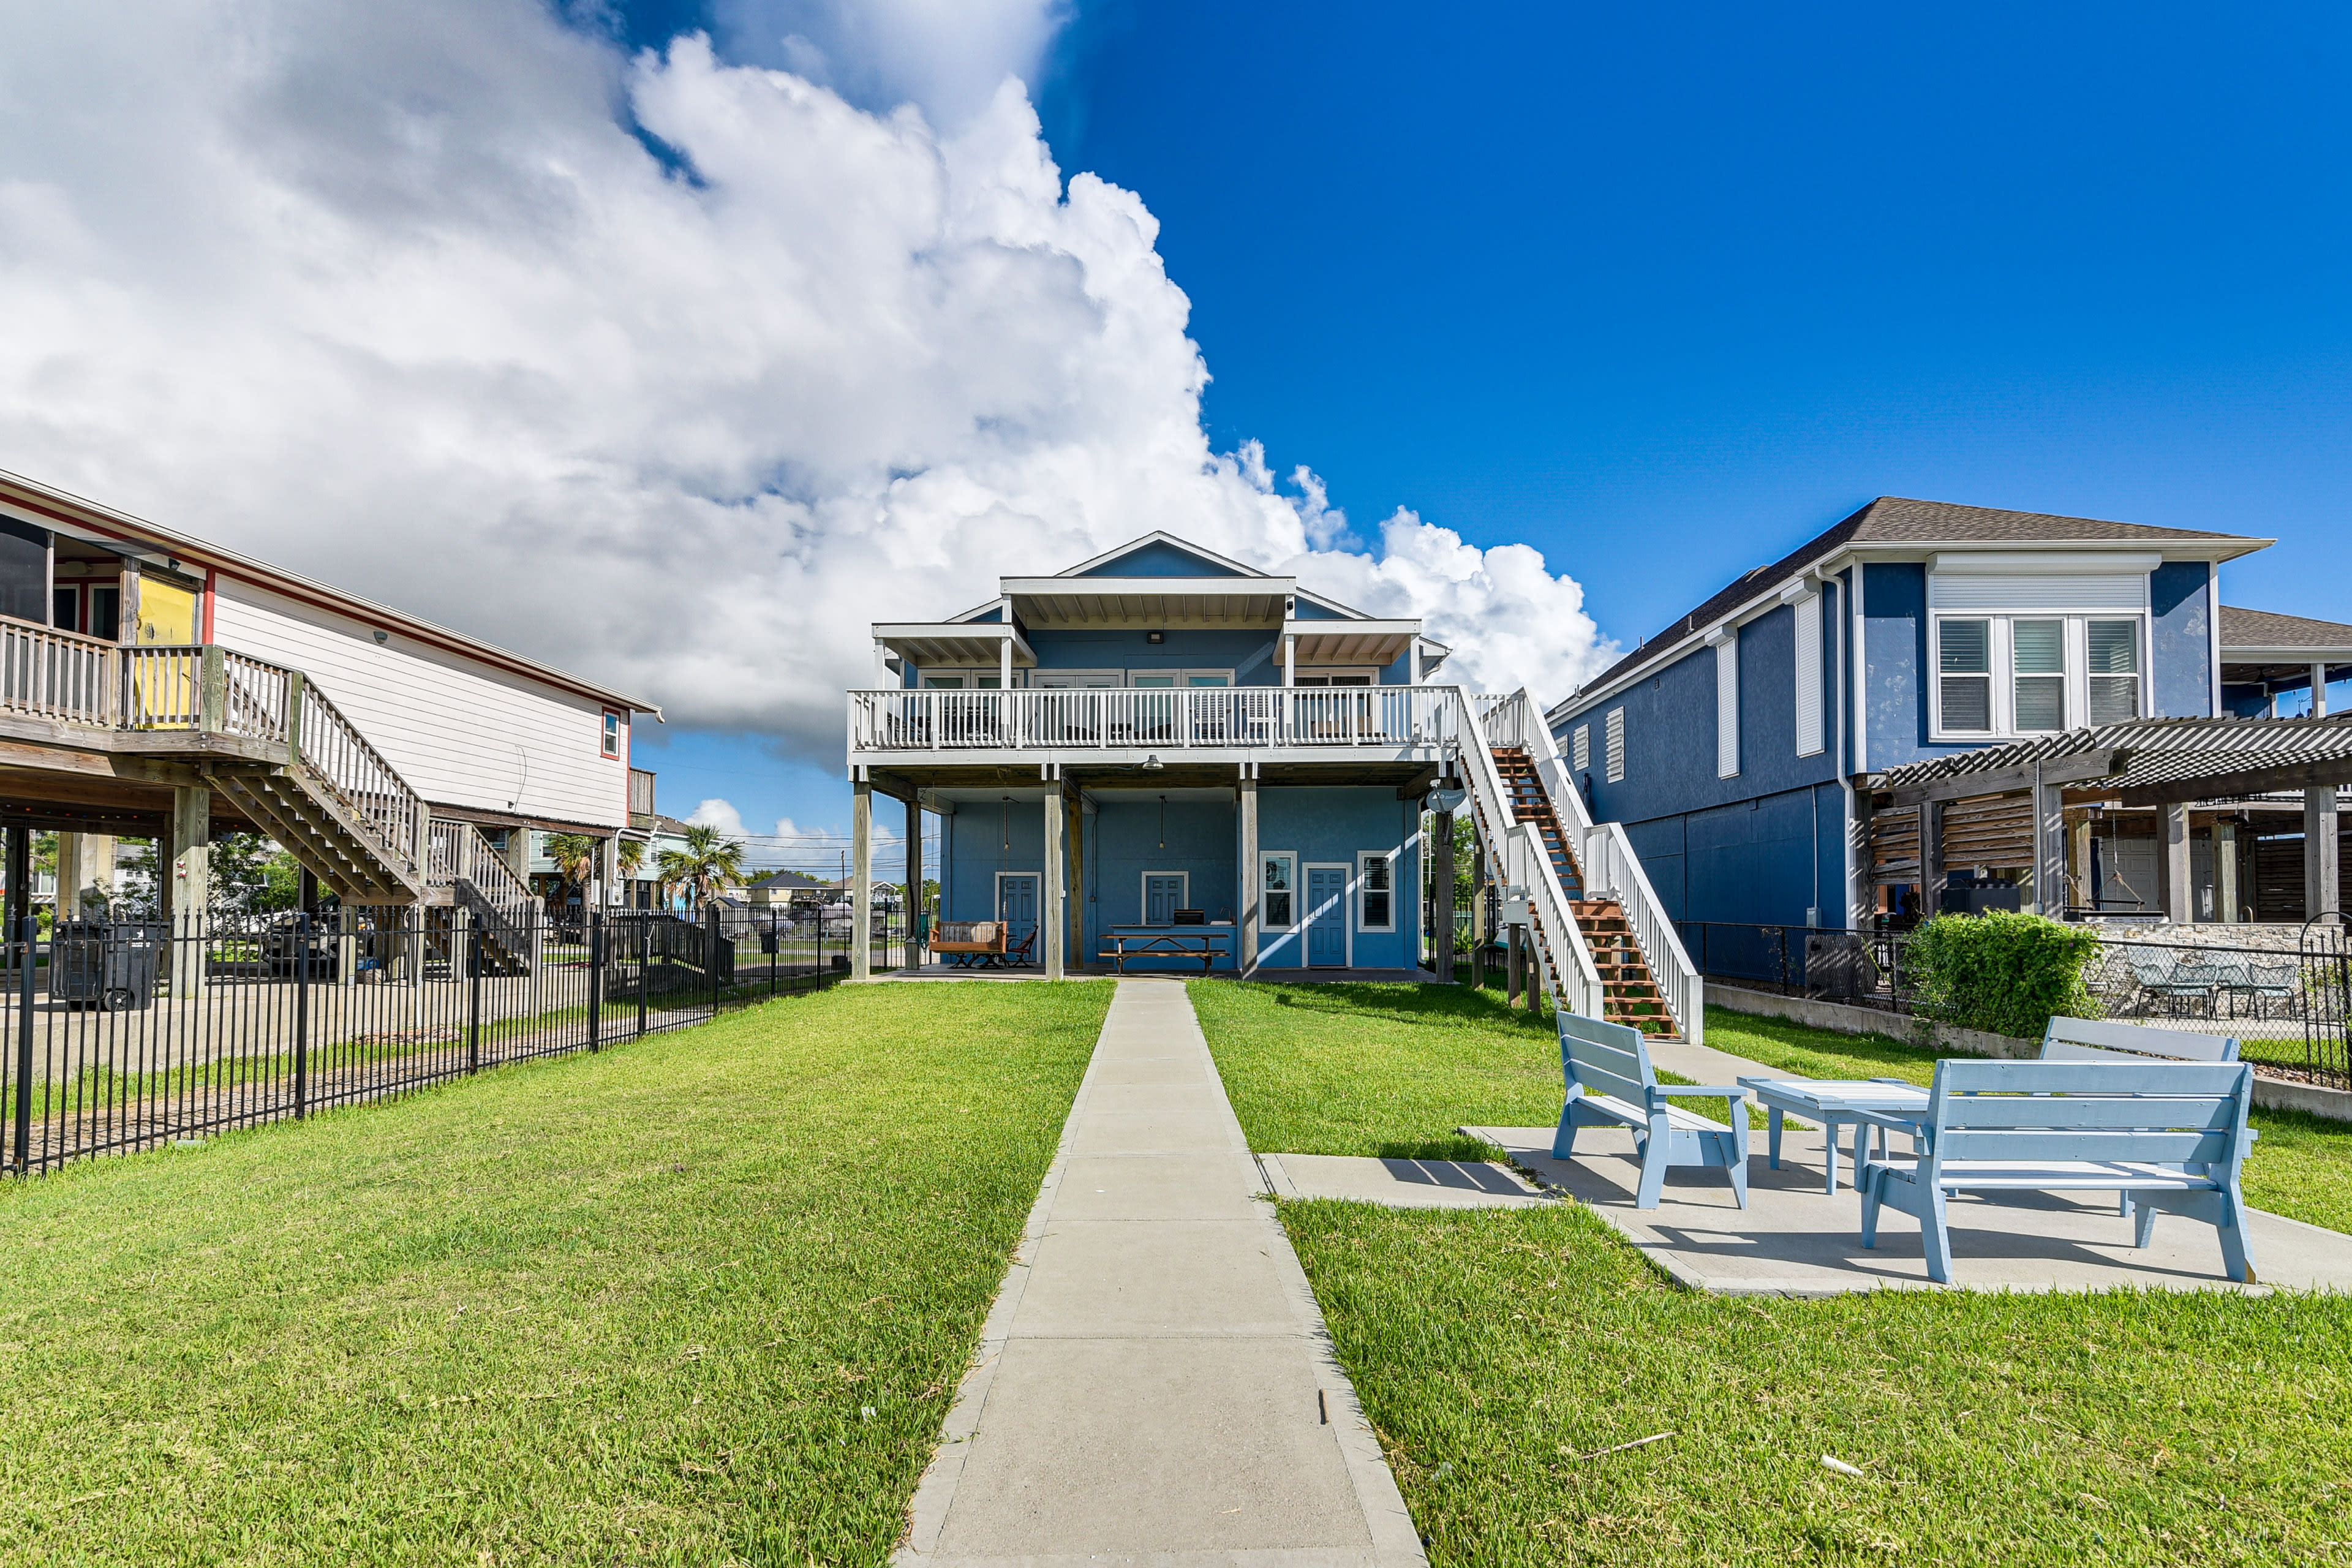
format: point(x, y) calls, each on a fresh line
point(110, 964)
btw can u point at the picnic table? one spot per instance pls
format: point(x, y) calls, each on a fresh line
point(1831, 1103)
point(1207, 944)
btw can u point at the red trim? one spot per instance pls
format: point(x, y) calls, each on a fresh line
point(292, 589)
point(209, 576)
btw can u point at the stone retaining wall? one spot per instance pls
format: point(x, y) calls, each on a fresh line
point(2270, 1093)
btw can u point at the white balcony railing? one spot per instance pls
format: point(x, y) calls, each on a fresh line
point(1153, 717)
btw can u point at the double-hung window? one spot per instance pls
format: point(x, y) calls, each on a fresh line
point(2033, 674)
point(1278, 884)
point(1375, 900)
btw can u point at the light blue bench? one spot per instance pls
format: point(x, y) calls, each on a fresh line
point(1610, 1083)
point(2100, 1040)
point(2171, 1136)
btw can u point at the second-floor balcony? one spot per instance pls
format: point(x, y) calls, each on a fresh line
point(1396, 720)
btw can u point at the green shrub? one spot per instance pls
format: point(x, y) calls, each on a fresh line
point(2009, 973)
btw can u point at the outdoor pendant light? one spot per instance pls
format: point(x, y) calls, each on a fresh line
point(1152, 763)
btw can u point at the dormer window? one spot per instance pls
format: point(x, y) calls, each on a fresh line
point(2035, 674)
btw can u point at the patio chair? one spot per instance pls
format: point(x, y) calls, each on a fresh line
point(1020, 952)
point(2162, 980)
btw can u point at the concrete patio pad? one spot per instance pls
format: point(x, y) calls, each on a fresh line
point(1794, 1239)
point(1401, 1183)
point(1155, 1384)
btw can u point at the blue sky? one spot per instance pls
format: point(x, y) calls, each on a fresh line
point(1663, 291)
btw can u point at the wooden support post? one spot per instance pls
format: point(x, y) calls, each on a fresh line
point(191, 883)
point(1004, 666)
point(1249, 913)
point(1934, 875)
point(1442, 901)
point(68, 904)
point(1050, 889)
point(1074, 933)
point(2049, 851)
point(2319, 691)
point(2227, 908)
point(861, 880)
point(1478, 908)
point(911, 897)
point(1514, 958)
point(2174, 875)
point(2078, 859)
point(2322, 887)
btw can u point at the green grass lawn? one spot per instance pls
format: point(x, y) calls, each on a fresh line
point(2300, 1166)
point(700, 1299)
point(1497, 1353)
point(1386, 1071)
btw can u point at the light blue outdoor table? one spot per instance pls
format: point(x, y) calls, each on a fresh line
point(1829, 1103)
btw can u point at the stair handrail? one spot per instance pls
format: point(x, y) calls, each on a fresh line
point(332, 750)
point(461, 852)
point(1578, 989)
point(1609, 865)
point(1678, 979)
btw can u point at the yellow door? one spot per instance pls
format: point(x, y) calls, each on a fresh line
point(165, 689)
point(167, 613)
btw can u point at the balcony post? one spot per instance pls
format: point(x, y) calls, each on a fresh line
point(1441, 900)
point(211, 700)
point(911, 896)
point(1004, 663)
point(1049, 891)
point(2319, 690)
point(861, 880)
point(1252, 886)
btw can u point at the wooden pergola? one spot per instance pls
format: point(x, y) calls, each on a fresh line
point(2027, 805)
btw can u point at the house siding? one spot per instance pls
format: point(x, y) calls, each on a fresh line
point(462, 733)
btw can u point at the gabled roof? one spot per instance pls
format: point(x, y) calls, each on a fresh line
point(1161, 554)
point(1899, 521)
point(2268, 630)
point(776, 880)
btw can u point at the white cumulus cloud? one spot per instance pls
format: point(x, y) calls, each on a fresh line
point(400, 297)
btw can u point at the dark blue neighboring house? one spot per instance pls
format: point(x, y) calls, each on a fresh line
point(1742, 746)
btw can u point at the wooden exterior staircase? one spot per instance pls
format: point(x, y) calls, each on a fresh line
point(1629, 992)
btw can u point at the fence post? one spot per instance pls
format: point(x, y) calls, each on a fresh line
point(711, 953)
point(301, 1013)
point(473, 993)
point(644, 967)
point(775, 951)
point(595, 977)
point(32, 929)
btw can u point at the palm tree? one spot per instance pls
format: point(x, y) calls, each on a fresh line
point(576, 855)
point(707, 864)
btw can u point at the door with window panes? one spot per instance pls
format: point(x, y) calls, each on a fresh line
point(2033, 674)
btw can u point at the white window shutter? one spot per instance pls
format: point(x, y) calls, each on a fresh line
point(1613, 743)
point(1726, 703)
point(1808, 676)
point(1583, 747)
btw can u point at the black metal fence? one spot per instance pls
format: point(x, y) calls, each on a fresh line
point(2288, 1006)
point(1864, 967)
point(126, 1036)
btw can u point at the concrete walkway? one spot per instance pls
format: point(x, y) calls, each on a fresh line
point(1155, 1382)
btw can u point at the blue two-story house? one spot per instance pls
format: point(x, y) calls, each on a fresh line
point(1767, 750)
point(1164, 741)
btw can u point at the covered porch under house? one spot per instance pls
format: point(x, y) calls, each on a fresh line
point(1191, 867)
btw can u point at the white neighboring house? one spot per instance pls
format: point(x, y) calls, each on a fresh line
point(168, 688)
